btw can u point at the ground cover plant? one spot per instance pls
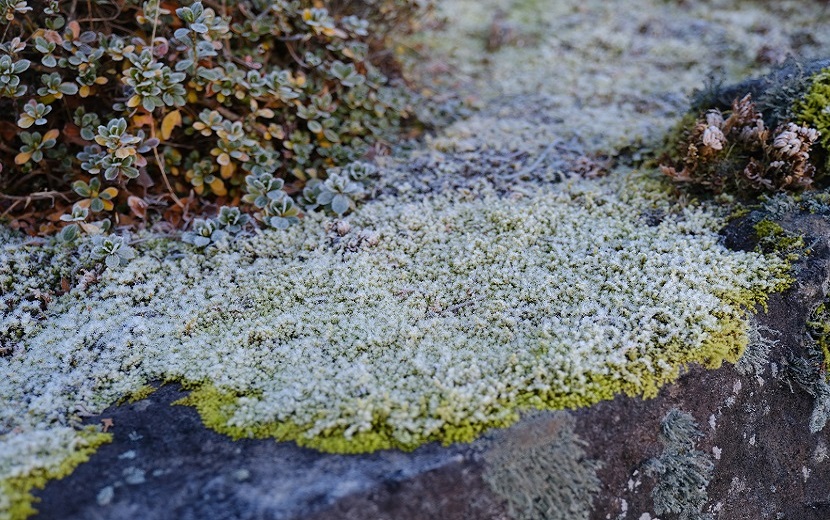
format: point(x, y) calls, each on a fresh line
point(417, 320)
point(131, 113)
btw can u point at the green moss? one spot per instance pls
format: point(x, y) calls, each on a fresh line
point(772, 238)
point(142, 393)
point(811, 109)
point(216, 406)
point(819, 327)
point(18, 490)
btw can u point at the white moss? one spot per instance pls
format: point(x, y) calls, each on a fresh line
point(612, 73)
point(462, 308)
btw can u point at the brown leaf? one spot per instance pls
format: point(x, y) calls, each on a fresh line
point(106, 424)
point(144, 180)
point(72, 135)
point(138, 206)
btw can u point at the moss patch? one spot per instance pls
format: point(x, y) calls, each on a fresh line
point(217, 406)
point(15, 491)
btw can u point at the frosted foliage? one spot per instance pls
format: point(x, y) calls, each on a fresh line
point(458, 309)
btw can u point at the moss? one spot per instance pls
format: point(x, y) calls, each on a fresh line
point(819, 327)
point(811, 109)
point(217, 406)
point(142, 393)
point(772, 238)
point(18, 490)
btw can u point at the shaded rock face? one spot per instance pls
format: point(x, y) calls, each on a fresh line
point(164, 464)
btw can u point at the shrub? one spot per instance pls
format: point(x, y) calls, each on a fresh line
point(188, 105)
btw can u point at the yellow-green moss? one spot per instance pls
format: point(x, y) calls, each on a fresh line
point(142, 393)
point(819, 327)
point(774, 238)
point(18, 490)
point(812, 110)
point(216, 405)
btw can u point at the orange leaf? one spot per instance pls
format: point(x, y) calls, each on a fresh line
point(141, 120)
point(22, 158)
point(170, 121)
point(109, 193)
point(218, 187)
point(51, 134)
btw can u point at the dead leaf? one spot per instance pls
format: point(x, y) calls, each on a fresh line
point(170, 121)
point(144, 180)
point(141, 120)
point(72, 134)
point(107, 424)
point(75, 27)
point(138, 206)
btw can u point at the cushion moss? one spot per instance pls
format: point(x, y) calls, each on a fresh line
point(16, 500)
point(463, 312)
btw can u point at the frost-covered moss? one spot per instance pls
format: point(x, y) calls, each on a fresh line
point(470, 307)
point(29, 461)
point(460, 312)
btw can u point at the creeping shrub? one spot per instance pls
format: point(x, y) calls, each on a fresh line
point(138, 110)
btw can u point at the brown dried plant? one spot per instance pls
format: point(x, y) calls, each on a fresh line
point(735, 152)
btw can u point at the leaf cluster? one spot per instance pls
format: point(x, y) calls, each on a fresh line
point(143, 111)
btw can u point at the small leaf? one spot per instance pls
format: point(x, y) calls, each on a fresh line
point(340, 204)
point(51, 135)
point(113, 261)
point(108, 193)
point(170, 121)
point(218, 187)
point(22, 158)
point(138, 206)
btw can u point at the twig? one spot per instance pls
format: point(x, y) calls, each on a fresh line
point(535, 164)
point(153, 120)
point(160, 164)
point(38, 196)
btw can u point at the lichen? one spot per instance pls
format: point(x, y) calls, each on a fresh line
point(682, 472)
point(809, 370)
point(756, 356)
point(542, 471)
